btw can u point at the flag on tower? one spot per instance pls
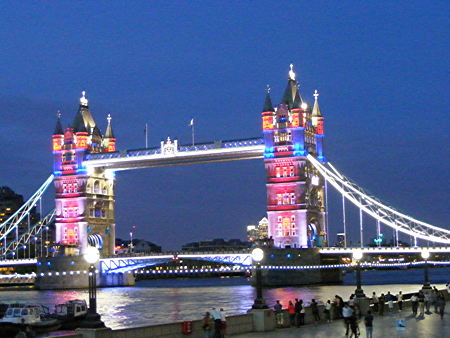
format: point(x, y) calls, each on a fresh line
point(191, 124)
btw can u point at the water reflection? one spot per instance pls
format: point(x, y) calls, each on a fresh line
point(163, 301)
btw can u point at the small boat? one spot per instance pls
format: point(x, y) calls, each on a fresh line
point(20, 316)
point(71, 313)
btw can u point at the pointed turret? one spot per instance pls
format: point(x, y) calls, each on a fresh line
point(317, 118)
point(109, 141)
point(268, 107)
point(316, 108)
point(109, 132)
point(83, 121)
point(58, 128)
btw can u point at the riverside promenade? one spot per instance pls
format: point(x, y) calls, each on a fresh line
point(429, 326)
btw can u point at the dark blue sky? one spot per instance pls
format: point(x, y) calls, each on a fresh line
point(382, 70)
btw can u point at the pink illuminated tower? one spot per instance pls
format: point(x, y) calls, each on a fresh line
point(295, 191)
point(84, 200)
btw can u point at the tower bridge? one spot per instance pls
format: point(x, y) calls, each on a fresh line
point(297, 178)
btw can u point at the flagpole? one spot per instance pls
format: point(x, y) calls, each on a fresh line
point(146, 136)
point(193, 133)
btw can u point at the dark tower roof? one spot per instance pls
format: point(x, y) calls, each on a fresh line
point(291, 96)
point(268, 102)
point(58, 127)
point(78, 124)
point(316, 108)
point(84, 122)
point(109, 132)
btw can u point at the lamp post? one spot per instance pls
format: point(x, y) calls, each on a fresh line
point(91, 256)
point(257, 256)
point(357, 255)
point(426, 280)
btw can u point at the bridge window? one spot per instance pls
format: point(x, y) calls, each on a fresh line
point(279, 225)
point(105, 190)
point(88, 188)
point(75, 187)
point(277, 171)
point(97, 212)
point(285, 172)
point(92, 212)
point(291, 170)
point(292, 198)
point(293, 218)
point(103, 213)
point(275, 137)
point(279, 199)
point(279, 219)
point(96, 187)
point(64, 188)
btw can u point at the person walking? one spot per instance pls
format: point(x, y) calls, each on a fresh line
point(421, 297)
point(354, 326)
point(414, 304)
point(327, 311)
point(291, 311)
point(375, 302)
point(340, 305)
point(441, 303)
point(347, 313)
point(217, 322)
point(279, 313)
point(381, 302)
point(207, 325)
point(315, 310)
point(368, 321)
point(400, 301)
point(223, 323)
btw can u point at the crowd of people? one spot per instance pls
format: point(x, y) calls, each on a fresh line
point(349, 311)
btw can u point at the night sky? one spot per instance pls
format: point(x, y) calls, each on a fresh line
point(381, 68)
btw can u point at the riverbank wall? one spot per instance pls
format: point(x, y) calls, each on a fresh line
point(238, 324)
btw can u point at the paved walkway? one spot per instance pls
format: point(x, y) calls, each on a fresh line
point(431, 326)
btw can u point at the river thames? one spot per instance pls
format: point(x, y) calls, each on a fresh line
point(171, 300)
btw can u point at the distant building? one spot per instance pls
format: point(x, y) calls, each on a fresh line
point(10, 202)
point(139, 246)
point(218, 244)
point(340, 240)
point(258, 232)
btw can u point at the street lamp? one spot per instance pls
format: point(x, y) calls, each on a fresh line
point(357, 255)
point(257, 257)
point(426, 281)
point(91, 256)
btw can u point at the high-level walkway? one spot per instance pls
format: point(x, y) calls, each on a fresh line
point(431, 326)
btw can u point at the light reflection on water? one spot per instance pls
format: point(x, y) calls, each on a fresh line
point(164, 301)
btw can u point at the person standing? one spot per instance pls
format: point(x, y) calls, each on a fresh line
point(441, 303)
point(217, 322)
point(207, 325)
point(375, 302)
point(327, 311)
point(354, 326)
point(368, 320)
point(434, 299)
point(400, 301)
point(302, 312)
point(340, 305)
point(414, 304)
point(381, 302)
point(279, 313)
point(297, 308)
point(347, 313)
point(291, 311)
point(421, 297)
point(428, 301)
point(315, 310)
point(390, 301)
point(223, 323)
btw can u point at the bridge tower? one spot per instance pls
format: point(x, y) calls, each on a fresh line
point(295, 190)
point(84, 198)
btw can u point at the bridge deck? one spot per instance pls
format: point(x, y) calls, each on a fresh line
point(219, 151)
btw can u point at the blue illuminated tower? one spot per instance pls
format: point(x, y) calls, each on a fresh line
point(295, 191)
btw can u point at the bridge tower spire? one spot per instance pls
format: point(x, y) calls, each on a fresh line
point(84, 198)
point(295, 191)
